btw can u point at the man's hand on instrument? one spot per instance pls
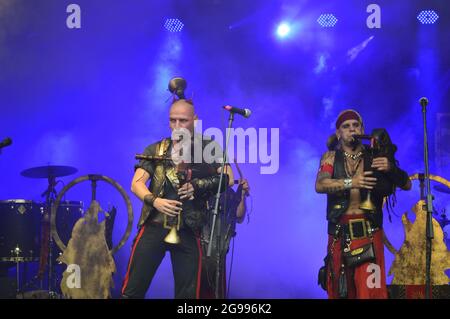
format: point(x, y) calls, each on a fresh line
point(167, 206)
point(245, 187)
point(364, 180)
point(186, 191)
point(382, 164)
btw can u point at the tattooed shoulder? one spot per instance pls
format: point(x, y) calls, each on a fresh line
point(328, 158)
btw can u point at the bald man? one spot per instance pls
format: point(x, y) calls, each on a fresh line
point(167, 200)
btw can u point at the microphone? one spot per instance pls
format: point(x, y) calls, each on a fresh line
point(362, 137)
point(423, 101)
point(6, 142)
point(244, 112)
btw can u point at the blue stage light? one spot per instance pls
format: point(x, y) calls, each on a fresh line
point(427, 17)
point(283, 30)
point(173, 25)
point(327, 20)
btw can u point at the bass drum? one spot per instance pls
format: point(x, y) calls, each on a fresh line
point(69, 212)
point(20, 230)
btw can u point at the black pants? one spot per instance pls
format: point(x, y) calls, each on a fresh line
point(147, 254)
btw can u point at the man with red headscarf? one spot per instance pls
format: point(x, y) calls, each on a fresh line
point(351, 175)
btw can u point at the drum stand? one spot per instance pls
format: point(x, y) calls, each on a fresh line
point(17, 252)
point(17, 259)
point(50, 197)
point(50, 172)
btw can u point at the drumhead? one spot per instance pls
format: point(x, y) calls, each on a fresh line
point(16, 201)
point(71, 203)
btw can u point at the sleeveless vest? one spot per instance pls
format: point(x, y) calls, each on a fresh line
point(337, 203)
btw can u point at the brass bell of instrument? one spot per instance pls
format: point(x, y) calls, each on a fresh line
point(172, 237)
point(368, 204)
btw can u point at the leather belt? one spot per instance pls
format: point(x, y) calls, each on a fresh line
point(355, 228)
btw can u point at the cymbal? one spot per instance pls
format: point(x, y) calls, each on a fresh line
point(442, 189)
point(48, 171)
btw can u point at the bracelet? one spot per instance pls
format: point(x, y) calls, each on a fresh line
point(347, 183)
point(149, 199)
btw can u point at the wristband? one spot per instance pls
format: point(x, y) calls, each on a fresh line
point(347, 183)
point(149, 199)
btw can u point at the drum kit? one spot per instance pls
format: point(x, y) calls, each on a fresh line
point(25, 235)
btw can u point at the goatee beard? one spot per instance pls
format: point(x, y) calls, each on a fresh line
point(355, 143)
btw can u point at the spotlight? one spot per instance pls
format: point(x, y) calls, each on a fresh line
point(327, 20)
point(427, 17)
point(283, 30)
point(173, 25)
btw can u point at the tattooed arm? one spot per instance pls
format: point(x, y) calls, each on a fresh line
point(326, 184)
point(139, 188)
point(324, 181)
point(138, 184)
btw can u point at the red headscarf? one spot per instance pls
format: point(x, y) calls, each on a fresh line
point(348, 115)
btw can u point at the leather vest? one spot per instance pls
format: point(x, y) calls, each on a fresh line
point(164, 184)
point(337, 203)
point(156, 186)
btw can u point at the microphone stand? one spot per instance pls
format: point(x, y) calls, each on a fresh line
point(215, 212)
point(429, 203)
